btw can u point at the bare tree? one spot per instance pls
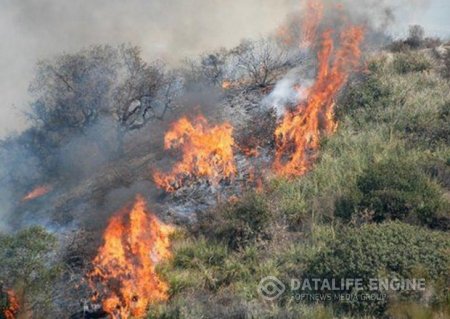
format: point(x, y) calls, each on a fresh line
point(260, 61)
point(209, 69)
point(71, 91)
point(76, 90)
point(144, 93)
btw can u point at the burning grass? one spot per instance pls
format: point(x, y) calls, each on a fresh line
point(207, 153)
point(124, 274)
point(370, 134)
point(299, 133)
point(280, 229)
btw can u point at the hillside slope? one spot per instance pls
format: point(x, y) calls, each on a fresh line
point(376, 204)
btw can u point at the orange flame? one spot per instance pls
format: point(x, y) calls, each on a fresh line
point(207, 153)
point(298, 135)
point(134, 242)
point(37, 192)
point(226, 85)
point(13, 306)
point(284, 35)
point(311, 20)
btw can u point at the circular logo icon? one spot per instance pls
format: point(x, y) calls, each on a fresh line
point(271, 288)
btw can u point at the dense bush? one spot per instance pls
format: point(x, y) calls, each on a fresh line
point(238, 223)
point(411, 62)
point(390, 250)
point(429, 128)
point(396, 190)
point(368, 92)
point(439, 170)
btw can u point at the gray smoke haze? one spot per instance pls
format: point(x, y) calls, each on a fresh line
point(31, 30)
point(35, 29)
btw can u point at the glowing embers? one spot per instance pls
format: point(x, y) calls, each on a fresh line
point(206, 153)
point(124, 276)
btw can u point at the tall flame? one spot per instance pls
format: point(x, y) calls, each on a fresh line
point(314, 11)
point(207, 152)
point(13, 306)
point(134, 242)
point(298, 135)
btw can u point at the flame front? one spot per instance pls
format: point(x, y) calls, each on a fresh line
point(207, 152)
point(298, 135)
point(13, 306)
point(37, 192)
point(134, 242)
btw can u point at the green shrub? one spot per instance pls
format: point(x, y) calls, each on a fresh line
point(368, 92)
point(29, 266)
point(439, 169)
point(411, 62)
point(396, 190)
point(238, 223)
point(430, 129)
point(446, 69)
point(389, 250)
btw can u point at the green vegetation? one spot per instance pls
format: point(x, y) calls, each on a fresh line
point(27, 267)
point(376, 204)
point(238, 224)
point(391, 250)
point(396, 190)
point(410, 62)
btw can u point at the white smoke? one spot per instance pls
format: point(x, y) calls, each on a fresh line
point(288, 91)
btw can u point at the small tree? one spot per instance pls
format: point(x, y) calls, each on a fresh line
point(72, 91)
point(260, 61)
point(75, 91)
point(416, 36)
point(209, 69)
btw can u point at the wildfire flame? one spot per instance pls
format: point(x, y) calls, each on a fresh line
point(313, 15)
point(207, 152)
point(226, 84)
point(37, 192)
point(284, 35)
point(134, 242)
point(13, 306)
point(298, 135)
